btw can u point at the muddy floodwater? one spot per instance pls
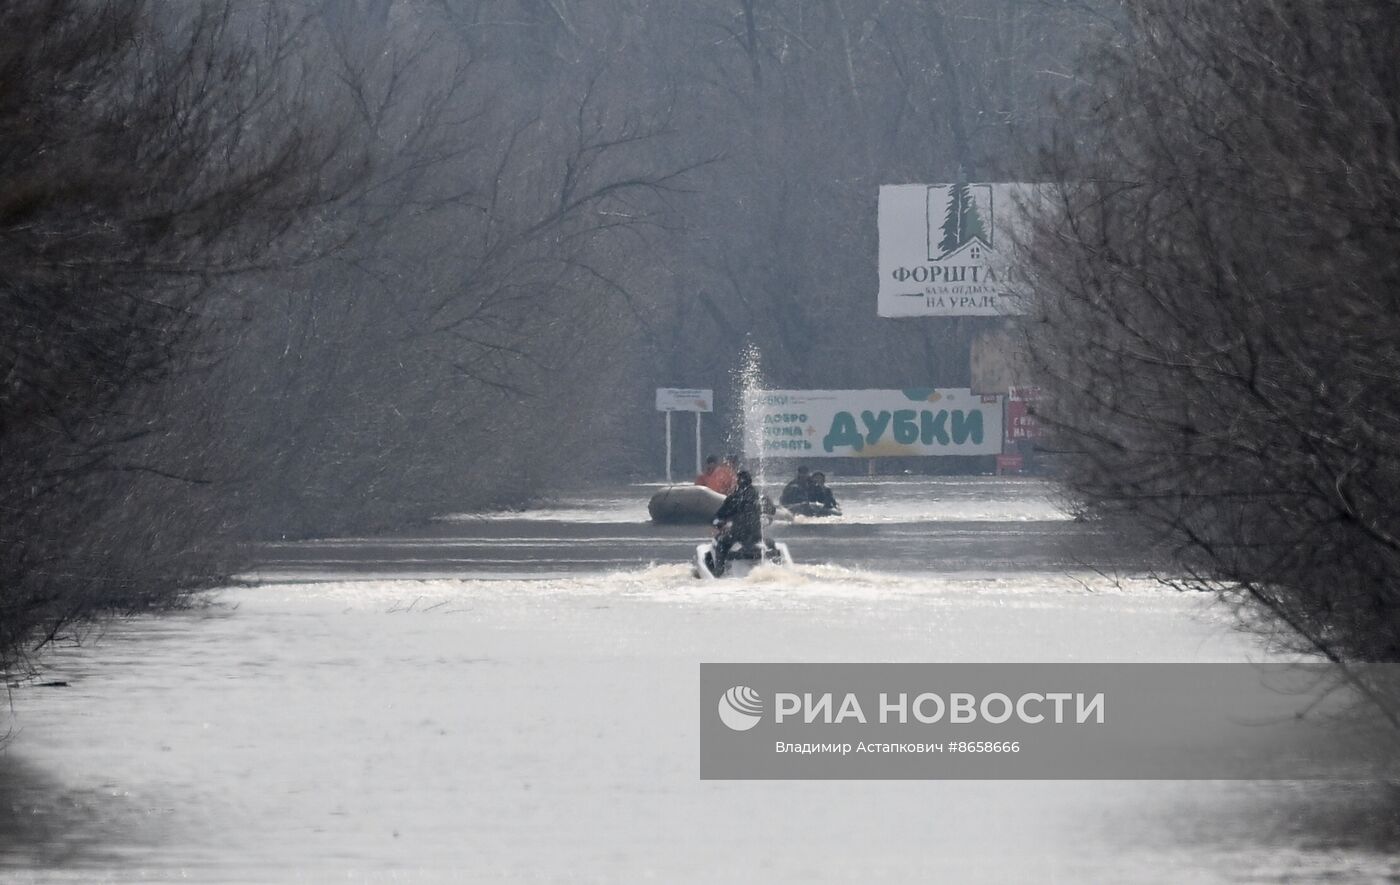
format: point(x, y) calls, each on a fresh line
point(512, 697)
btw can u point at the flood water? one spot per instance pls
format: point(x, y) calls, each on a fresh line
point(512, 697)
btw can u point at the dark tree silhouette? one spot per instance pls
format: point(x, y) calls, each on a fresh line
point(1216, 277)
point(148, 153)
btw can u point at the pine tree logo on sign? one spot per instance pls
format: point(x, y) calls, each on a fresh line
point(959, 216)
point(959, 276)
point(945, 249)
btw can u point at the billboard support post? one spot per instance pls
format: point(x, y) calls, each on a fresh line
point(683, 399)
point(668, 448)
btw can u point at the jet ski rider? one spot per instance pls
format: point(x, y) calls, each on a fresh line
point(738, 520)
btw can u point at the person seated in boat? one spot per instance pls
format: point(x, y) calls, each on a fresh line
point(717, 476)
point(738, 520)
point(820, 493)
point(799, 490)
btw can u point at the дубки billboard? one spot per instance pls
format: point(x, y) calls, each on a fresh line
point(944, 248)
point(872, 423)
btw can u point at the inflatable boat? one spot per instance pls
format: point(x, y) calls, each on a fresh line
point(684, 505)
point(741, 560)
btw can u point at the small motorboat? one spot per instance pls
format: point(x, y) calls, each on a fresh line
point(741, 559)
point(811, 508)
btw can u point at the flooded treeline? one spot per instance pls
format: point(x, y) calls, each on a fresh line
point(340, 265)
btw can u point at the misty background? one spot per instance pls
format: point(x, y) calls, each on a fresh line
point(288, 270)
point(622, 199)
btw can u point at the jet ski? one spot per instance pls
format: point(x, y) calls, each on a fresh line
point(741, 560)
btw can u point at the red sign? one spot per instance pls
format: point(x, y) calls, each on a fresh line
point(1010, 464)
point(1020, 423)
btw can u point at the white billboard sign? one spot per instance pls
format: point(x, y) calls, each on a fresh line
point(872, 423)
point(682, 399)
point(944, 248)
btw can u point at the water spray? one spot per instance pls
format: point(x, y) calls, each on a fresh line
point(748, 384)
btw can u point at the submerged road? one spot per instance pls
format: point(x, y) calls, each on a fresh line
point(532, 717)
point(961, 526)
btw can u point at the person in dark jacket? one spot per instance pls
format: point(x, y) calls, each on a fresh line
point(797, 491)
point(820, 493)
point(738, 520)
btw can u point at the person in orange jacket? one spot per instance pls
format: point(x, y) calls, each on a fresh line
point(719, 476)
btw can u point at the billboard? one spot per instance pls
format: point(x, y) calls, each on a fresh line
point(684, 399)
point(872, 423)
point(944, 248)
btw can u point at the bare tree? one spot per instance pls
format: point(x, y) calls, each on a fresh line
point(153, 155)
point(457, 357)
point(1216, 280)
